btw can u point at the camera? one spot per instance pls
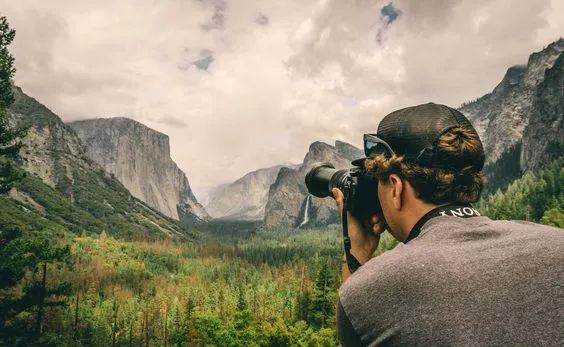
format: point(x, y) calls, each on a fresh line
point(359, 188)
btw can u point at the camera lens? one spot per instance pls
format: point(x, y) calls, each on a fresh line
point(321, 179)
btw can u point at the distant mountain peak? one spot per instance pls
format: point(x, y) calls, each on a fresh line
point(246, 197)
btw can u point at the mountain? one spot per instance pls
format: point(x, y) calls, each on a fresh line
point(520, 121)
point(543, 138)
point(139, 157)
point(244, 199)
point(289, 203)
point(66, 191)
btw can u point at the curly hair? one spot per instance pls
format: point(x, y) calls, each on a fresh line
point(461, 182)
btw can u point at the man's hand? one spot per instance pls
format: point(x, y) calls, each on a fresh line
point(364, 238)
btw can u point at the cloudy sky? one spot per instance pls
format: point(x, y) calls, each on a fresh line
point(240, 85)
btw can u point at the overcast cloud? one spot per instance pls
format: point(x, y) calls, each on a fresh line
point(240, 85)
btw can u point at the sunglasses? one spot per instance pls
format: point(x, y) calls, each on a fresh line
point(373, 145)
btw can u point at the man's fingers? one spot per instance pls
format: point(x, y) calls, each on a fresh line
point(377, 229)
point(378, 226)
point(338, 195)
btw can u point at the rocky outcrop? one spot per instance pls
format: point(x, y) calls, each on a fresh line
point(543, 138)
point(502, 116)
point(51, 148)
point(68, 191)
point(244, 199)
point(139, 157)
point(287, 197)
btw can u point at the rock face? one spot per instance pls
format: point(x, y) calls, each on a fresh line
point(244, 199)
point(51, 149)
point(287, 197)
point(502, 116)
point(543, 139)
point(66, 190)
point(139, 157)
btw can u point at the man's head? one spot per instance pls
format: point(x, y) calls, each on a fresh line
point(424, 156)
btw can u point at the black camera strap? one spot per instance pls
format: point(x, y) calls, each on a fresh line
point(352, 263)
point(454, 210)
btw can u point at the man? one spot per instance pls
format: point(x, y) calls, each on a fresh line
point(457, 278)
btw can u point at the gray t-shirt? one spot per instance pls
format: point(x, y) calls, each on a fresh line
point(461, 282)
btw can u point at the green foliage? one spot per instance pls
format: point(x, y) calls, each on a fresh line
point(504, 170)
point(531, 197)
point(96, 206)
point(145, 293)
point(553, 217)
point(387, 242)
point(10, 139)
point(10, 173)
point(324, 296)
point(7, 69)
point(25, 292)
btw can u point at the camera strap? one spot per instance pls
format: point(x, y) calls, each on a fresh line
point(352, 263)
point(454, 210)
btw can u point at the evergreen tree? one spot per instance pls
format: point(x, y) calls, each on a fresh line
point(303, 301)
point(323, 301)
point(33, 254)
point(553, 217)
point(303, 306)
point(10, 140)
point(531, 197)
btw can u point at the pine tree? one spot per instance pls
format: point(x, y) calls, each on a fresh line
point(303, 306)
point(323, 301)
point(303, 300)
point(33, 253)
point(10, 140)
point(243, 315)
point(530, 197)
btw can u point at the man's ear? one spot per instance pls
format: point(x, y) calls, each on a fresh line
point(397, 190)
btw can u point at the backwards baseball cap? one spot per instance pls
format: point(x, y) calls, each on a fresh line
point(413, 132)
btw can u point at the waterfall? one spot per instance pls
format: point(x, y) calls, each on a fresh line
point(305, 218)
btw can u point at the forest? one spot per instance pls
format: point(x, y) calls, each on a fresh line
point(233, 284)
point(264, 289)
point(84, 277)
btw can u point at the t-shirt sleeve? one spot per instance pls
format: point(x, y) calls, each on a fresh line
point(346, 334)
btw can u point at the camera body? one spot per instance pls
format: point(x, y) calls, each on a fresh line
point(359, 188)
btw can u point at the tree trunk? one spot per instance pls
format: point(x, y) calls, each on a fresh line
point(114, 327)
point(131, 331)
point(146, 324)
point(76, 312)
point(41, 301)
point(165, 326)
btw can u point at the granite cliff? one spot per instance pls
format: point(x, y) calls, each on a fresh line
point(523, 106)
point(288, 202)
point(543, 138)
point(244, 199)
point(139, 157)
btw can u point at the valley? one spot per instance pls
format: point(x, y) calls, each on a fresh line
point(103, 242)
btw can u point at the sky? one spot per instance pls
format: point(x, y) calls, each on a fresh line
point(241, 85)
